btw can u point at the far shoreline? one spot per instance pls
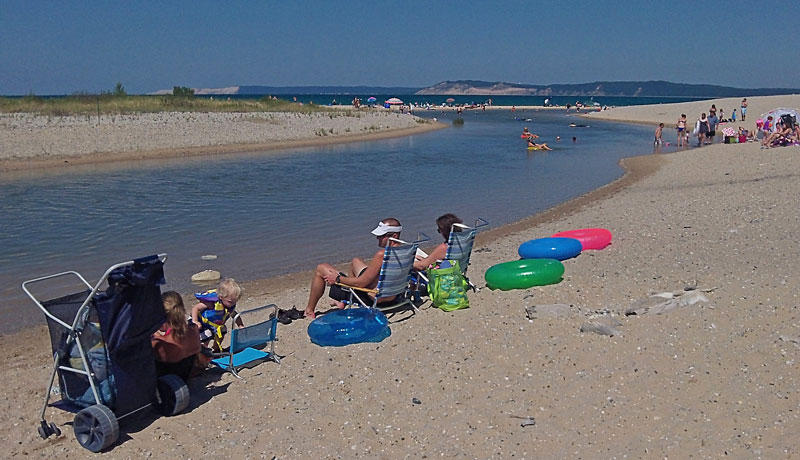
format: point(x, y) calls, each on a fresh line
point(60, 162)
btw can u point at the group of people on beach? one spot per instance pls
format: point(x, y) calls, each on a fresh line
point(184, 347)
point(783, 131)
point(705, 128)
point(363, 276)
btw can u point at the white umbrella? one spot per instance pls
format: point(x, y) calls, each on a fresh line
point(394, 101)
point(776, 116)
point(776, 113)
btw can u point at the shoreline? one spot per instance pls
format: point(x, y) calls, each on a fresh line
point(50, 145)
point(635, 169)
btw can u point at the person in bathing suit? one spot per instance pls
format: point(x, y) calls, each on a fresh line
point(360, 274)
point(681, 127)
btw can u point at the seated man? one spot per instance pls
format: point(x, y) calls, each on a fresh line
point(361, 274)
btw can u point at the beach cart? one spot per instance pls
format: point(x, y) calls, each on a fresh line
point(101, 349)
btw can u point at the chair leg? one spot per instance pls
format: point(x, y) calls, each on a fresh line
point(236, 374)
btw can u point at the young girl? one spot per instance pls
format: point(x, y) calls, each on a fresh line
point(177, 342)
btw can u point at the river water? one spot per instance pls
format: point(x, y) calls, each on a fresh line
point(282, 212)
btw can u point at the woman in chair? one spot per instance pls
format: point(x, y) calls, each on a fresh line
point(444, 223)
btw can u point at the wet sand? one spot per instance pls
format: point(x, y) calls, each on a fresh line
point(711, 380)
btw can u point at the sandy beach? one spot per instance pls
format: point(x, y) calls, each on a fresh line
point(30, 141)
point(715, 379)
point(670, 113)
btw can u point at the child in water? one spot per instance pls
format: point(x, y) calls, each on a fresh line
point(211, 315)
point(657, 141)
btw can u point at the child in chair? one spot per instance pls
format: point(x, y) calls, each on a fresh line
point(213, 311)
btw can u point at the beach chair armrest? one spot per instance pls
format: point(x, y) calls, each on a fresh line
point(347, 286)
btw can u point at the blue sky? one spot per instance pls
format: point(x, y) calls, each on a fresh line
point(61, 47)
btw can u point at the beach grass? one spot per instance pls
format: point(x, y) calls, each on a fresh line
point(114, 104)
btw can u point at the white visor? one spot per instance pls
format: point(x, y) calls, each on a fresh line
point(383, 229)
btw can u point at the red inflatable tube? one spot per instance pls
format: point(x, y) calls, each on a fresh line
point(590, 238)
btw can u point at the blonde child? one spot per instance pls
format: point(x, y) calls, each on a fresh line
point(210, 315)
point(177, 343)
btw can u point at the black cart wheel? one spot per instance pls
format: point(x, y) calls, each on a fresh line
point(55, 429)
point(172, 395)
point(96, 427)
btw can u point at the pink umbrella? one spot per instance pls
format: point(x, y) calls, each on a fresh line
point(394, 101)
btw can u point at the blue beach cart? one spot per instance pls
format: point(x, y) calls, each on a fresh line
point(102, 353)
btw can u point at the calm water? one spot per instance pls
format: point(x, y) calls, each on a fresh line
point(279, 213)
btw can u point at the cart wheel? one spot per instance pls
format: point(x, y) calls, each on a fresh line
point(172, 395)
point(55, 429)
point(43, 431)
point(96, 427)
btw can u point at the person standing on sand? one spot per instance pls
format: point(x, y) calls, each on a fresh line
point(701, 127)
point(744, 108)
point(360, 274)
point(713, 121)
point(680, 126)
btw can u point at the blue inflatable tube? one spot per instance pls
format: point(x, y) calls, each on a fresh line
point(550, 248)
point(351, 325)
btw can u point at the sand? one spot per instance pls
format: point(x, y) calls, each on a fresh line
point(30, 141)
point(716, 379)
point(670, 113)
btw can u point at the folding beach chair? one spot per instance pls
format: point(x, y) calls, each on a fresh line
point(248, 342)
point(398, 261)
point(102, 353)
point(459, 247)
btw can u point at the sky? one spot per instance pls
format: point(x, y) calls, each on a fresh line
point(64, 47)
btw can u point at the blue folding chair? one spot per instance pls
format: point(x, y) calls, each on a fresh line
point(459, 245)
point(248, 343)
point(398, 261)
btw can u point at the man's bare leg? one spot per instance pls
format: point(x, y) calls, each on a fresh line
point(317, 288)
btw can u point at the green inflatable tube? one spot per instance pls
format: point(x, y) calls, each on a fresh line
point(525, 273)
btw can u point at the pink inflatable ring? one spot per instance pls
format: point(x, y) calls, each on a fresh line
point(590, 238)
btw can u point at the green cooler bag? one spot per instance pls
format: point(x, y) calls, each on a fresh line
point(447, 287)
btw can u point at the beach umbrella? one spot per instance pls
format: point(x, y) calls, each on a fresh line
point(776, 113)
point(371, 99)
point(449, 100)
point(394, 101)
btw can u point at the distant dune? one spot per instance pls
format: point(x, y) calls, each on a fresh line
point(598, 88)
point(486, 88)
